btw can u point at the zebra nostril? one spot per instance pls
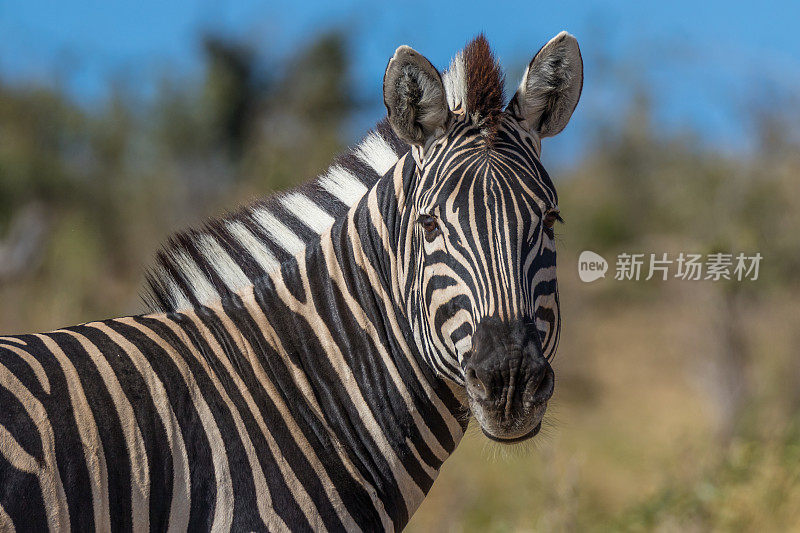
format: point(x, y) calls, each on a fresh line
point(475, 385)
point(540, 388)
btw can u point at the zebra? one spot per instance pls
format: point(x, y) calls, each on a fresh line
point(321, 390)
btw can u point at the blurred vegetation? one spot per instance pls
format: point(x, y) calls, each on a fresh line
point(677, 402)
point(86, 195)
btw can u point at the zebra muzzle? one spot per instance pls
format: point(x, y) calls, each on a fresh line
point(508, 380)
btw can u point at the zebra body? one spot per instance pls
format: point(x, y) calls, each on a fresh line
point(323, 392)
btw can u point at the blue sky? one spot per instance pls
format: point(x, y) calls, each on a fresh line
point(704, 60)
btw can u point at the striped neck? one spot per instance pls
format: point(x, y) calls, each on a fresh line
point(337, 313)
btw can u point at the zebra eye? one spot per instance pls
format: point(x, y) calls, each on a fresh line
point(551, 217)
point(430, 225)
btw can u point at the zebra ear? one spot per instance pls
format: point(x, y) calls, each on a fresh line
point(414, 97)
point(551, 86)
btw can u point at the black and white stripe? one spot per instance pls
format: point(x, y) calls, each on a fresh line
point(298, 404)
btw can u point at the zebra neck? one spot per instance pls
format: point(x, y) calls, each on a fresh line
point(333, 317)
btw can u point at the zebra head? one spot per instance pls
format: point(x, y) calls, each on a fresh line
point(477, 253)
